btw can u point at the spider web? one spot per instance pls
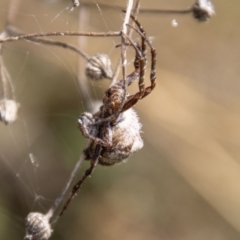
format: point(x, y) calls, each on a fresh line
point(45, 81)
point(38, 152)
point(52, 92)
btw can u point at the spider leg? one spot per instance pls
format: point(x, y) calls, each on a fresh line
point(87, 173)
point(138, 56)
point(104, 133)
point(142, 33)
point(153, 76)
point(140, 65)
point(86, 126)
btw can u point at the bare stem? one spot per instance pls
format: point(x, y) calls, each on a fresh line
point(117, 70)
point(67, 33)
point(143, 10)
point(124, 50)
point(13, 31)
point(167, 11)
point(98, 149)
point(123, 60)
point(59, 200)
point(88, 172)
point(83, 18)
point(12, 9)
point(3, 76)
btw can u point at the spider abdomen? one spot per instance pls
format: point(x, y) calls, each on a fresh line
point(126, 139)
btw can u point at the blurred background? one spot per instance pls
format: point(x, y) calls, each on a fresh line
point(184, 183)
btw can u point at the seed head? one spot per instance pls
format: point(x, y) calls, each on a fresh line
point(37, 227)
point(8, 111)
point(99, 66)
point(203, 10)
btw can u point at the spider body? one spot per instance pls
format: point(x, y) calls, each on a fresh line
point(114, 131)
point(120, 136)
point(115, 135)
point(121, 139)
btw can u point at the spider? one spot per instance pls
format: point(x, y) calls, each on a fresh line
point(114, 134)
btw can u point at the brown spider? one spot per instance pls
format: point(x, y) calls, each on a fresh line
point(114, 134)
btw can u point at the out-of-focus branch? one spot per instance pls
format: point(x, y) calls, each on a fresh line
point(202, 10)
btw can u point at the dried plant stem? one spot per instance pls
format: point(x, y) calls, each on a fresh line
point(94, 160)
point(117, 70)
point(61, 44)
point(124, 50)
point(167, 11)
point(123, 59)
point(59, 200)
point(3, 76)
point(83, 17)
point(38, 225)
point(67, 33)
point(87, 173)
point(12, 31)
point(12, 9)
point(143, 10)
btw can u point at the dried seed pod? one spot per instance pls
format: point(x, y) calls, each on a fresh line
point(8, 111)
point(203, 10)
point(37, 227)
point(75, 3)
point(99, 66)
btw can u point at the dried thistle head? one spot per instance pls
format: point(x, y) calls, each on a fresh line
point(203, 10)
point(37, 227)
point(99, 66)
point(8, 110)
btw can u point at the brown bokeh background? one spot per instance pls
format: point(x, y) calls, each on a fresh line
point(184, 183)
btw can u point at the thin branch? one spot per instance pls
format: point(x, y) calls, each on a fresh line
point(94, 160)
point(124, 49)
point(13, 32)
point(38, 225)
point(61, 44)
point(117, 70)
point(143, 10)
point(59, 200)
point(3, 76)
point(202, 10)
point(167, 11)
point(12, 9)
point(123, 59)
point(67, 33)
point(83, 17)
point(78, 185)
